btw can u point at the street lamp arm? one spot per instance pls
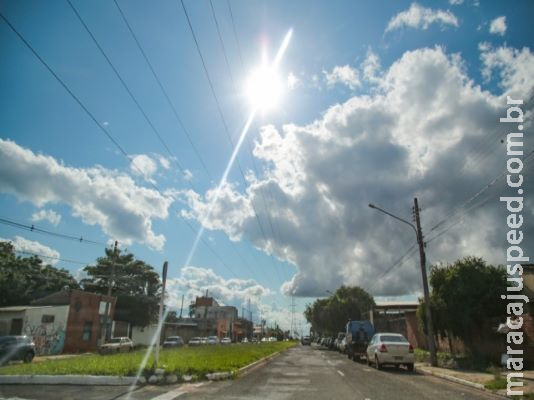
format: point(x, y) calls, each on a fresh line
point(394, 216)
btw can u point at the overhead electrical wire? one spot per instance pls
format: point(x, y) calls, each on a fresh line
point(223, 47)
point(33, 228)
point(166, 95)
point(223, 119)
point(102, 128)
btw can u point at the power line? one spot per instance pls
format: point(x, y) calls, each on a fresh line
point(33, 228)
point(166, 95)
point(123, 152)
point(225, 125)
point(118, 75)
point(102, 128)
point(30, 253)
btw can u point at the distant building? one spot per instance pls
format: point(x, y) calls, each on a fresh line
point(65, 321)
point(47, 325)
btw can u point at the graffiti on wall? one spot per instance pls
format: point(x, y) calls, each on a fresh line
point(48, 338)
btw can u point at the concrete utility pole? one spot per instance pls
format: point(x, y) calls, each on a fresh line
point(107, 331)
point(160, 318)
point(422, 256)
point(182, 306)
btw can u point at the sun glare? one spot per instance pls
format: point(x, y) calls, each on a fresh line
point(264, 88)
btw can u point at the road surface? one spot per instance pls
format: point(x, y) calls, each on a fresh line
point(302, 373)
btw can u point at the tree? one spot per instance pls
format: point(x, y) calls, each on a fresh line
point(464, 296)
point(330, 315)
point(135, 284)
point(23, 280)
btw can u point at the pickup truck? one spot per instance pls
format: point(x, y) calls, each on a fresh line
point(358, 335)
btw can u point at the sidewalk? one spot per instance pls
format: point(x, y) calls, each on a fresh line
point(476, 379)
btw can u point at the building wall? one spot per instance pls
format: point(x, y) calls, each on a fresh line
point(85, 327)
point(6, 322)
point(142, 335)
point(47, 326)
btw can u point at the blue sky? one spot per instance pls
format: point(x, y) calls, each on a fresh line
point(345, 133)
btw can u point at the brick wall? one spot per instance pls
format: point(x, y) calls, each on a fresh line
point(84, 328)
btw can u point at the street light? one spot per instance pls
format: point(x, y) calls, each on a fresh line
point(422, 257)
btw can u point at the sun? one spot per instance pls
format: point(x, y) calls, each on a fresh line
point(264, 88)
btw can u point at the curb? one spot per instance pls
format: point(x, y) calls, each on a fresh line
point(460, 381)
point(256, 364)
point(67, 380)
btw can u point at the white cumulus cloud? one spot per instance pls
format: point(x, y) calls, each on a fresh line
point(143, 166)
point(344, 75)
point(46, 215)
point(98, 196)
point(427, 131)
point(29, 247)
point(498, 26)
point(419, 17)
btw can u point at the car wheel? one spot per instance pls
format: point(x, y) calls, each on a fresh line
point(377, 363)
point(410, 367)
point(368, 361)
point(28, 357)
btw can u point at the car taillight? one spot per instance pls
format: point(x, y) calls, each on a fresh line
point(382, 348)
point(410, 349)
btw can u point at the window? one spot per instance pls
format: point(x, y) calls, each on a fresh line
point(87, 329)
point(47, 319)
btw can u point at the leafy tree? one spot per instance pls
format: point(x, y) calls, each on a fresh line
point(464, 296)
point(135, 284)
point(330, 315)
point(25, 279)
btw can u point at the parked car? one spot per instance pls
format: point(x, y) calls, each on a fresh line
point(213, 340)
point(390, 349)
point(273, 339)
point(204, 340)
point(117, 345)
point(305, 341)
point(244, 340)
point(195, 341)
point(226, 340)
point(173, 341)
point(342, 347)
point(16, 348)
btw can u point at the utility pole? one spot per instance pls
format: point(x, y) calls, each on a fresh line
point(422, 256)
point(182, 306)
point(107, 331)
point(160, 318)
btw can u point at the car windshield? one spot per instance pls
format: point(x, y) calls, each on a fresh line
point(393, 338)
point(115, 340)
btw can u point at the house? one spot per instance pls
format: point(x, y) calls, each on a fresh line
point(46, 324)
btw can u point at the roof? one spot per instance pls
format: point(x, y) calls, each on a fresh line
point(21, 308)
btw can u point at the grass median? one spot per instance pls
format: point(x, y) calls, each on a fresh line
point(197, 361)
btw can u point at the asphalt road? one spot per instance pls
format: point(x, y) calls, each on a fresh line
point(304, 372)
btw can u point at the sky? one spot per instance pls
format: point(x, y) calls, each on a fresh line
point(114, 127)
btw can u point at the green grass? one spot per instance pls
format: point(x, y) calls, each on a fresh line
point(182, 361)
point(496, 384)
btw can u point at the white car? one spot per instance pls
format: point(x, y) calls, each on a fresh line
point(213, 340)
point(226, 340)
point(195, 341)
point(117, 345)
point(390, 349)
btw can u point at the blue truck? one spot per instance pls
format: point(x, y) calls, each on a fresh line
point(358, 335)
